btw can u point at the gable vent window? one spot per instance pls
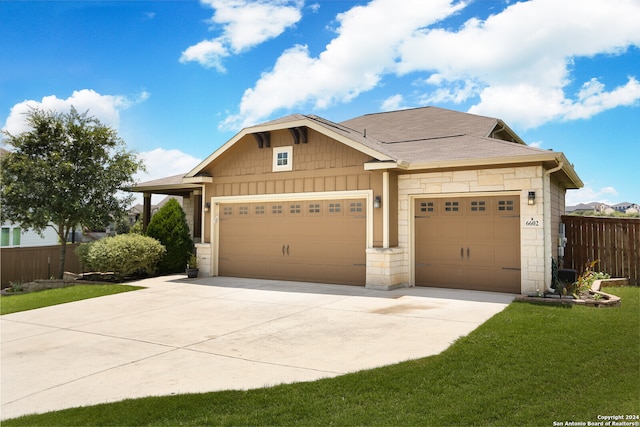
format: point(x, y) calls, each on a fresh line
point(282, 159)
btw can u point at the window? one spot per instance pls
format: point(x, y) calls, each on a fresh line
point(451, 207)
point(426, 207)
point(244, 210)
point(10, 236)
point(294, 209)
point(259, 210)
point(282, 159)
point(227, 211)
point(334, 207)
point(6, 233)
point(314, 208)
point(505, 205)
point(478, 206)
point(356, 207)
point(276, 209)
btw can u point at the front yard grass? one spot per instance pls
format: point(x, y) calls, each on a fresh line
point(32, 300)
point(528, 365)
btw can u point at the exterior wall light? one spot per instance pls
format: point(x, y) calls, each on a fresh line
point(377, 202)
point(531, 199)
point(207, 205)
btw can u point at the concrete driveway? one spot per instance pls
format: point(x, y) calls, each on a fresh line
point(198, 335)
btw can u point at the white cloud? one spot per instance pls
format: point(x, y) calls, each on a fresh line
point(104, 107)
point(516, 64)
point(392, 103)
point(588, 194)
point(245, 24)
point(522, 56)
point(365, 48)
point(161, 163)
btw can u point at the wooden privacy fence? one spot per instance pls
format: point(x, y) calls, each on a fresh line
point(613, 241)
point(26, 264)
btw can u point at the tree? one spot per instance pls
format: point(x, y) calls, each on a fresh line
point(169, 226)
point(65, 172)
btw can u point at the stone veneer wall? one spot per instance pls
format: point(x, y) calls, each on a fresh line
point(518, 180)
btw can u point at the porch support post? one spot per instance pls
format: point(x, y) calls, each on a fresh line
point(385, 209)
point(146, 211)
point(197, 216)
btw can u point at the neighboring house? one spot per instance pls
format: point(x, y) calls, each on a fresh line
point(14, 236)
point(418, 197)
point(626, 207)
point(136, 212)
point(603, 208)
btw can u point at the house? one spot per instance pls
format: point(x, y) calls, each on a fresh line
point(417, 197)
point(626, 207)
point(136, 211)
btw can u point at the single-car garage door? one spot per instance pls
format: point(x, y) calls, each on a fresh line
point(468, 243)
point(312, 241)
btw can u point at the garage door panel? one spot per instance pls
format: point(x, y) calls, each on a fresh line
point(318, 241)
point(468, 243)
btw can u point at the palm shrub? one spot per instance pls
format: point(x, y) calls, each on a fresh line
point(169, 226)
point(124, 255)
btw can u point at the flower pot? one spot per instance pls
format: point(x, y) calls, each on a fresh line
point(192, 273)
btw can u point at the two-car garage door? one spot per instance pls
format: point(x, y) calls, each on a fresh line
point(308, 240)
point(468, 243)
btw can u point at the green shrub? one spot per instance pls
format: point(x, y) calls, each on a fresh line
point(124, 254)
point(169, 226)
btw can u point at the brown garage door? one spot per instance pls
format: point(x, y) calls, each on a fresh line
point(312, 241)
point(468, 243)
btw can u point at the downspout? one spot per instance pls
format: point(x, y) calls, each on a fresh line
point(560, 165)
point(556, 169)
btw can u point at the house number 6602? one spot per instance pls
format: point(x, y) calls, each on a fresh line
point(532, 223)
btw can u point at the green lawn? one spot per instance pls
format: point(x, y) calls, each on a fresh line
point(528, 365)
point(29, 301)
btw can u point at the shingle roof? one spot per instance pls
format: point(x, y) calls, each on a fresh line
point(421, 123)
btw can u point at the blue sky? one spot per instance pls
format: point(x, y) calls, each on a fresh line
point(179, 78)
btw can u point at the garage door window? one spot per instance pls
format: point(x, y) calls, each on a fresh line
point(259, 210)
point(314, 208)
point(244, 210)
point(276, 209)
point(478, 206)
point(294, 209)
point(335, 208)
point(356, 207)
point(427, 207)
point(505, 205)
point(452, 206)
point(227, 211)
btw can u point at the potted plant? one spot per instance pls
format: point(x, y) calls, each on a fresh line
point(192, 267)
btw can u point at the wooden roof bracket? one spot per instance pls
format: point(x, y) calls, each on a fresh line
point(299, 134)
point(263, 139)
